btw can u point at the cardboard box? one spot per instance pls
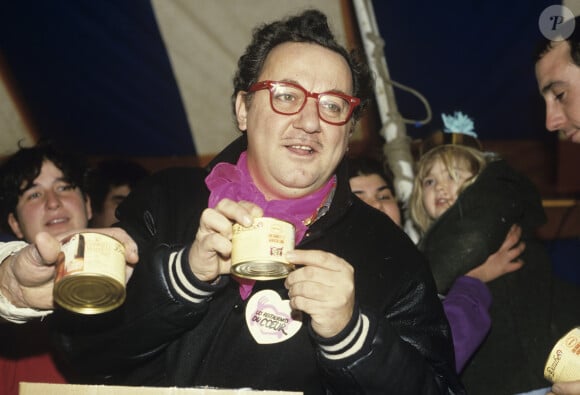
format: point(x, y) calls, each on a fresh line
point(74, 389)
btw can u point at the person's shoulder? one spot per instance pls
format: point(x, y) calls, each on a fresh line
point(367, 214)
point(378, 223)
point(177, 175)
point(4, 237)
point(166, 190)
point(181, 171)
point(183, 180)
point(500, 171)
point(379, 237)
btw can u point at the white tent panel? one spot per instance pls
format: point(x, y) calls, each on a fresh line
point(13, 128)
point(204, 39)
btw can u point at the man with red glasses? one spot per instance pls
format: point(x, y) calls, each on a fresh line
point(358, 315)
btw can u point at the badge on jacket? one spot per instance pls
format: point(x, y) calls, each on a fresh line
point(270, 318)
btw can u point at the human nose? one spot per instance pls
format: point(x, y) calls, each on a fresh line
point(555, 117)
point(52, 200)
point(440, 186)
point(309, 118)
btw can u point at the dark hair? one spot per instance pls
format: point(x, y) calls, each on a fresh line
point(573, 40)
point(365, 166)
point(19, 171)
point(309, 27)
point(112, 173)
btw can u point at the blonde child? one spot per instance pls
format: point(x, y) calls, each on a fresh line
point(442, 173)
point(464, 203)
point(467, 303)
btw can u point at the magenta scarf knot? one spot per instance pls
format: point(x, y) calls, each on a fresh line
point(235, 183)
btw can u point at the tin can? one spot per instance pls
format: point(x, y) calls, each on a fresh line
point(258, 250)
point(90, 275)
point(563, 363)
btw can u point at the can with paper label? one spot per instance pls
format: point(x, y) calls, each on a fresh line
point(258, 250)
point(90, 273)
point(563, 363)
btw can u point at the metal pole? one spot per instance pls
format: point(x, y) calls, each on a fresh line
point(397, 149)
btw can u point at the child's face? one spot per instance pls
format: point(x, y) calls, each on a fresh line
point(440, 187)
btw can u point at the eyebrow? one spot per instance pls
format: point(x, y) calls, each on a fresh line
point(30, 186)
point(34, 184)
point(550, 85)
point(118, 196)
point(379, 189)
point(329, 91)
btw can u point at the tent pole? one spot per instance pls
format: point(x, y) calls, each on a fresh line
point(393, 128)
point(397, 148)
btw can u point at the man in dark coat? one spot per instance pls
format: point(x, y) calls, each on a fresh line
point(358, 315)
point(558, 75)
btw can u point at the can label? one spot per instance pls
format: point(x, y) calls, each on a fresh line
point(90, 275)
point(563, 363)
point(258, 250)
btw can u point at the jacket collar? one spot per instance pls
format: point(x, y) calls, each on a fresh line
point(231, 153)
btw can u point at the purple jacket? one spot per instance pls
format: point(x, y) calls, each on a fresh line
point(467, 306)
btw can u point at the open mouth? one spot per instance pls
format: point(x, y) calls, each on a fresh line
point(56, 221)
point(302, 149)
point(442, 202)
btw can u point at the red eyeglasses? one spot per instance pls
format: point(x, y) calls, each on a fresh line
point(288, 98)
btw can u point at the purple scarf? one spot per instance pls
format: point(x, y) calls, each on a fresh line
point(235, 183)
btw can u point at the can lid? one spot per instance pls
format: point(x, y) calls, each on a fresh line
point(262, 270)
point(89, 293)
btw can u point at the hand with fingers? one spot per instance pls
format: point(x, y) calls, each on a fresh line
point(210, 253)
point(505, 260)
point(566, 388)
point(27, 277)
point(323, 287)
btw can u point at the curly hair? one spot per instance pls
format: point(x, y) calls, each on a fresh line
point(20, 170)
point(308, 27)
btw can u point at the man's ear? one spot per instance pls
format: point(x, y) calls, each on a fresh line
point(241, 111)
point(15, 226)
